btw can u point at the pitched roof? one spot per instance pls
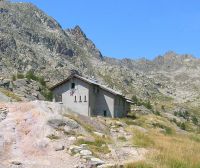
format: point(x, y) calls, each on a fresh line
point(91, 81)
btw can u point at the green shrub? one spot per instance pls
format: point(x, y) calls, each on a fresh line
point(20, 76)
point(140, 102)
point(135, 100)
point(47, 94)
point(156, 113)
point(163, 107)
point(14, 78)
point(122, 138)
point(195, 120)
point(147, 105)
point(183, 126)
point(168, 130)
point(30, 75)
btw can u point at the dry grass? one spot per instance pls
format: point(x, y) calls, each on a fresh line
point(140, 164)
point(167, 150)
point(86, 126)
point(176, 152)
point(98, 146)
point(141, 139)
point(10, 94)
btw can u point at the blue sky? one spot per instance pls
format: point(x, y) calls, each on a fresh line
point(132, 28)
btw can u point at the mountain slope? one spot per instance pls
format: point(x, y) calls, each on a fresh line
point(31, 40)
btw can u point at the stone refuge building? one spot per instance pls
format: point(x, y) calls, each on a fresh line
point(89, 98)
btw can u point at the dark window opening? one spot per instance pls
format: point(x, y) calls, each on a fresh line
point(104, 113)
point(75, 99)
point(72, 85)
point(85, 99)
point(80, 99)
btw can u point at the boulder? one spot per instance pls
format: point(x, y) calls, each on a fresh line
point(72, 138)
point(75, 149)
point(96, 161)
point(99, 134)
point(59, 147)
point(17, 163)
point(85, 152)
point(107, 166)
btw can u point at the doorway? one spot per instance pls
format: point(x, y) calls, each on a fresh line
point(104, 113)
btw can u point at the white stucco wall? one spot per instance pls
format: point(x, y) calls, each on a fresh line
point(120, 106)
point(68, 99)
point(104, 102)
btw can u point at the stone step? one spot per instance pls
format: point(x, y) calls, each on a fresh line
point(3, 110)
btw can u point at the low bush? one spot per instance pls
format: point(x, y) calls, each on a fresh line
point(140, 102)
point(20, 76)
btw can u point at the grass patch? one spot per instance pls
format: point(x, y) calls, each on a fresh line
point(10, 94)
point(176, 152)
point(167, 130)
point(140, 164)
point(98, 146)
point(122, 138)
point(128, 121)
point(86, 126)
point(141, 139)
point(195, 137)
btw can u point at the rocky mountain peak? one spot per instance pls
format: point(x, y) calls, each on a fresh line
point(81, 39)
point(77, 31)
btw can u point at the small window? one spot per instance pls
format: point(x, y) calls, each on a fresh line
point(75, 99)
point(85, 99)
point(72, 85)
point(80, 99)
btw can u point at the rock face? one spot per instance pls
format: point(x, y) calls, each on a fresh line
point(32, 135)
point(31, 40)
point(25, 136)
